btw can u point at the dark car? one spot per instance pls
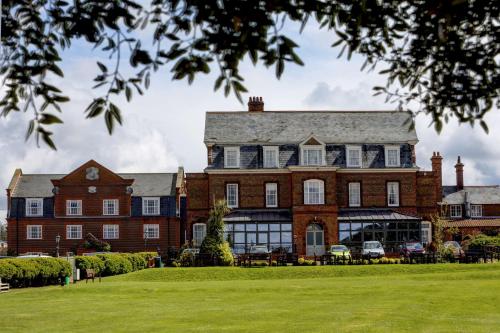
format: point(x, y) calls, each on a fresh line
point(410, 248)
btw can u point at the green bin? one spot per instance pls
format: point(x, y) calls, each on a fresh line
point(66, 280)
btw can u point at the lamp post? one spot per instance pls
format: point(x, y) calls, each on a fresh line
point(58, 239)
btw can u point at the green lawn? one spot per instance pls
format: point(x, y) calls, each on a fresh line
point(381, 298)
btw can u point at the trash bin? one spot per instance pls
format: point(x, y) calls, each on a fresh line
point(66, 280)
point(158, 263)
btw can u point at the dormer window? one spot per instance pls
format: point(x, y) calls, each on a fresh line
point(476, 210)
point(312, 155)
point(231, 157)
point(271, 157)
point(353, 156)
point(312, 152)
point(34, 207)
point(456, 211)
point(392, 156)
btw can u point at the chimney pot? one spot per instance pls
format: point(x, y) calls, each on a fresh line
point(255, 104)
point(459, 169)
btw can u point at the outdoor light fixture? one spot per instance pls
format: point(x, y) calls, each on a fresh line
point(58, 239)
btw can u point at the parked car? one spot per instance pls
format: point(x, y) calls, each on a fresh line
point(340, 251)
point(193, 251)
point(456, 249)
point(259, 249)
point(409, 248)
point(372, 249)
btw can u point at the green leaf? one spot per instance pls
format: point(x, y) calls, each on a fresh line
point(103, 68)
point(30, 129)
point(48, 119)
point(108, 118)
point(484, 126)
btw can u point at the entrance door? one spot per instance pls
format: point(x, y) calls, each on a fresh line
point(315, 244)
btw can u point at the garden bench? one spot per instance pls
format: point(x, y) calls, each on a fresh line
point(4, 287)
point(91, 274)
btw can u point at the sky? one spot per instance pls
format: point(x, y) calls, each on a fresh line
point(163, 129)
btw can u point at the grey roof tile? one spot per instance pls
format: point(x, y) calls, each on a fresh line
point(281, 127)
point(373, 215)
point(486, 195)
point(145, 184)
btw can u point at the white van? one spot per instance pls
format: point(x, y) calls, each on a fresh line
point(372, 249)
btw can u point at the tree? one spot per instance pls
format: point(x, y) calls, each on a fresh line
point(441, 54)
point(214, 243)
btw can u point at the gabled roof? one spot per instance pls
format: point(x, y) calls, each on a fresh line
point(280, 127)
point(145, 184)
point(486, 195)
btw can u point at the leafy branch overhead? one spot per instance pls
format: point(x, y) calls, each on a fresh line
point(441, 54)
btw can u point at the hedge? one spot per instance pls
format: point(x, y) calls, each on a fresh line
point(114, 263)
point(24, 272)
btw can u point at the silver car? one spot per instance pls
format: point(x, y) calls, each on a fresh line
point(372, 249)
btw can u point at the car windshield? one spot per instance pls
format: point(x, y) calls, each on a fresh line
point(414, 246)
point(339, 248)
point(370, 245)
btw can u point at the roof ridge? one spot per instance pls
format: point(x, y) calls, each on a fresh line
point(306, 111)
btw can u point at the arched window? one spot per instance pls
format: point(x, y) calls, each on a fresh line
point(314, 192)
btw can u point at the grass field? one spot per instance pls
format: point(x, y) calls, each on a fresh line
point(382, 298)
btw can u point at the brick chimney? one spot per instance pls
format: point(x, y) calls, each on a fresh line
point(255, 104)
point(459, 169)
point(436, 161)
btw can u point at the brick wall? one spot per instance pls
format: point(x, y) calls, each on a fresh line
point(131, 234)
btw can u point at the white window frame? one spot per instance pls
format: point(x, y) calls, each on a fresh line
point(199, 233)
point(396, 203)
point(398, 156)
point(39, 202)
point(116, 207)
point(271, 193)
point(308, 195)
point(155, 228)
point(70, 233)
point(275, 162)
point(305, 157)
point(348, 150)
point(29, 233)
point(236, 195)
point(456, 211)
point(233, 150)
point(478, 213)
point(354, 201)
point(111, 231)
point(78, 207)
point(156, 206)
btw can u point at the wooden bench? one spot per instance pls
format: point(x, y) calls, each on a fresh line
point(4, 287)
point(91, 274)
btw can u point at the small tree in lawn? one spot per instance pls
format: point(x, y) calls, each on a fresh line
point(440, 232)
point(214, 243)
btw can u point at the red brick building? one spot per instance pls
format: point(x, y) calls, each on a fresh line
point(471, 209)
point(131, 212)
point(305, 180)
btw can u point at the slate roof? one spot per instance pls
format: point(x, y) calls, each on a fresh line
point(260, 215)
point(487, 195)
point(145, 184)
point(373, 215)
point(280, 127)
point(494, 222)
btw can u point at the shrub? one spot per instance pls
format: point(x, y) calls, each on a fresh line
point(224, 254)
point(137, 261)
point(186, 259)
point(301, 261)
point(115, 264)
point(147, 255)
point(89, 262)
point(21, 272)
point(309, 262)
point(481, 240)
